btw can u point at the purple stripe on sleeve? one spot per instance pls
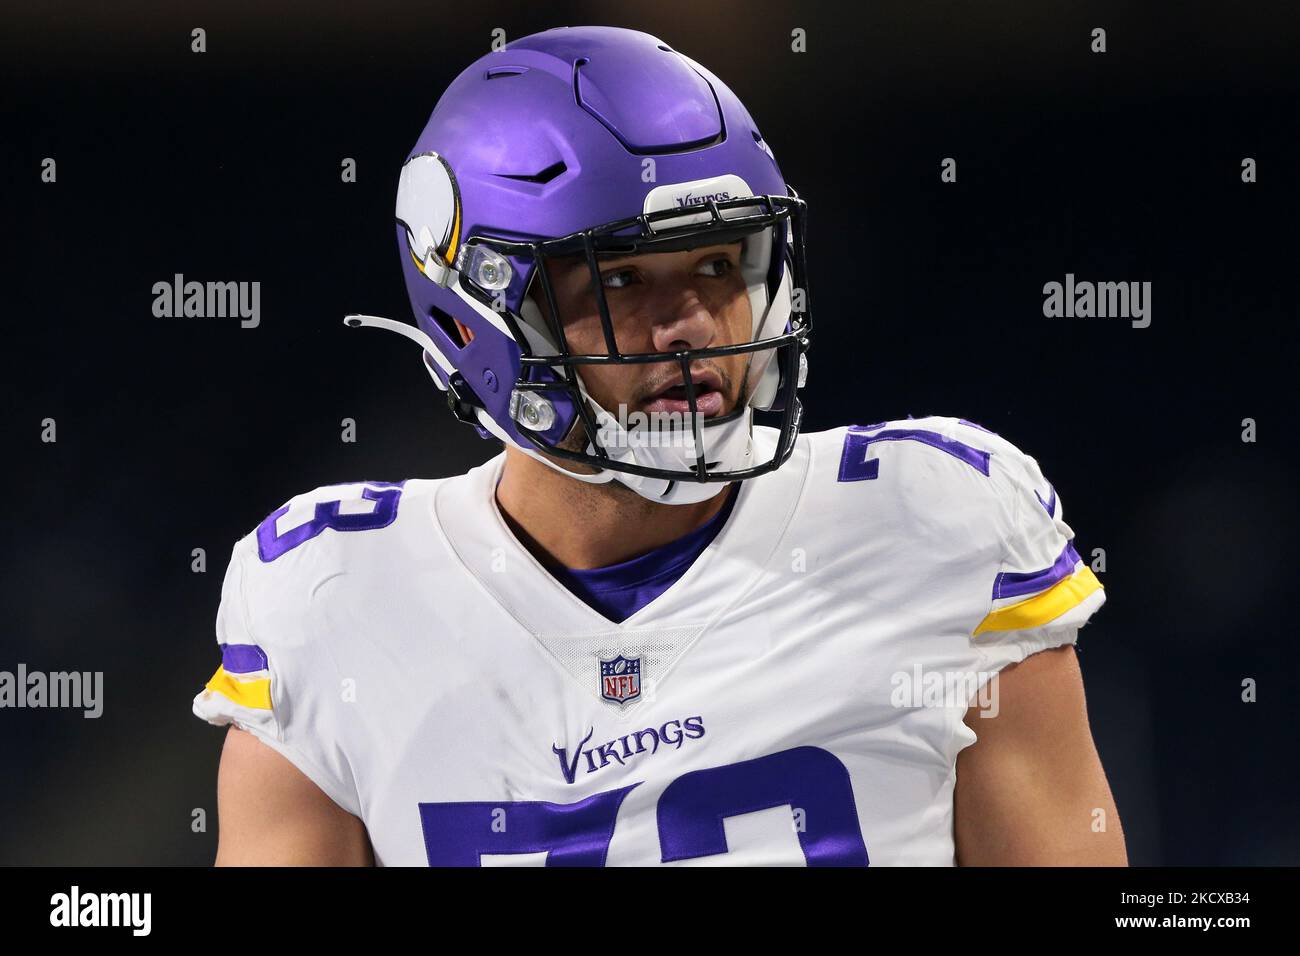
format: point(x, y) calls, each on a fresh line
point(1013, 583)
point(242, 658)
point(975, 425)
point(1049, 505)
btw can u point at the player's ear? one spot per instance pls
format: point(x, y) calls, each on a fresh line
point(466, 336)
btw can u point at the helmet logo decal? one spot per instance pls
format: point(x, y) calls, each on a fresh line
point(698, 192)
point(694, 193)
point(692, 200)
point(428, 205)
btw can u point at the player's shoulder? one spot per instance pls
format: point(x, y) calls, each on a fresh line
point(940, 473)
point(293, 591)
point(943, 446)
point(318, 558)
point(340, 528)
point(347, 509)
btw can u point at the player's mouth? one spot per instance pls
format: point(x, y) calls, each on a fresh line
point(708, 395)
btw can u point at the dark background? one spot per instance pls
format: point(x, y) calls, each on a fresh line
point(926, 298)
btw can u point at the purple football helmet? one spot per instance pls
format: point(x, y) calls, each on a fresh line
point(592, 142)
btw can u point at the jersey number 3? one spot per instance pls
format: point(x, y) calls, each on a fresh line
point(271, 544)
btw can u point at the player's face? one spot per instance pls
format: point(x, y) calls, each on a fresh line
point(660, 302)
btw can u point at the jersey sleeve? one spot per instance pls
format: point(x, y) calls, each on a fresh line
point(266, 683)
point(1043, 591)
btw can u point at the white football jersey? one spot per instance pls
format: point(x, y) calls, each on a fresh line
point(796, 697)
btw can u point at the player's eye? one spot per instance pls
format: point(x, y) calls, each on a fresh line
point(617, 278)
point(717, 267)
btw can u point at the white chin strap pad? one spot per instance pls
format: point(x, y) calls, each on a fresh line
point(728, 446)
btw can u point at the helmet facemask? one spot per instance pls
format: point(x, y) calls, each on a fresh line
point(662, 459)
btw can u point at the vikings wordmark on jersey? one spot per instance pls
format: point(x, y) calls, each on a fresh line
point(399, 646)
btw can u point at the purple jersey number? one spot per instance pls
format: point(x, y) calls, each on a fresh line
point(570, 834)
point(691, 813)
point(855, 465)
point(271, 545)
point(814, 781)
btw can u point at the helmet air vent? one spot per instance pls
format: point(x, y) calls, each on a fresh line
point(551, 172)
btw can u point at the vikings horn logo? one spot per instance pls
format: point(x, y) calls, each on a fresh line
point(428, 205)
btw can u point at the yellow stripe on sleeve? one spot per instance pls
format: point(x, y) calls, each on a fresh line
point(1041, 608)
point(246, 693)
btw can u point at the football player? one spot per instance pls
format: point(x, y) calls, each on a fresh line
point(651, 630)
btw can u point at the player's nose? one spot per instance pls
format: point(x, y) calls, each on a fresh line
point(684, 322)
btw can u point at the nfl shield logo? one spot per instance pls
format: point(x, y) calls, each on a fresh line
point(620, 679)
